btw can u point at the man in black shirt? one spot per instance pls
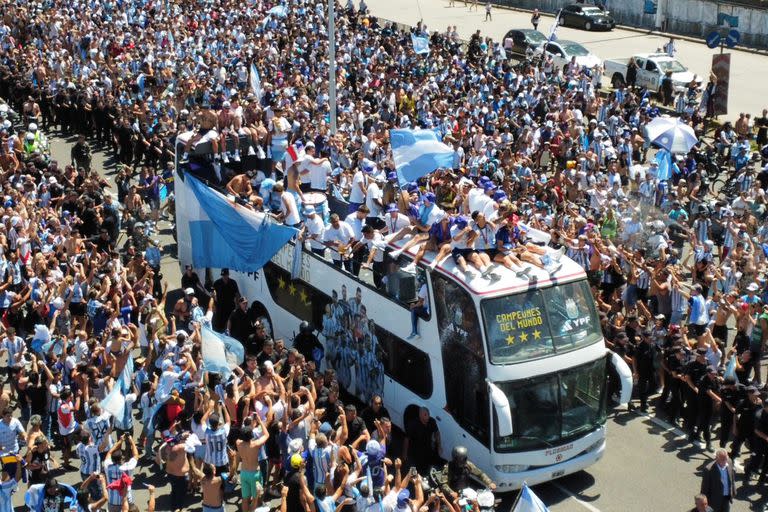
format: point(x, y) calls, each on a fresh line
point(375, 411)
point(708, 388)
point(746, 415)
point(693, 373)
point(355, 425)
point(643, 368)
point(422, 441)
point(731, 396)
point(670, 396)
point(759, 444)
point(239, 324)
point(225, 292)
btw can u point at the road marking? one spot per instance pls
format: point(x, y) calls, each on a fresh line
point(583, 503)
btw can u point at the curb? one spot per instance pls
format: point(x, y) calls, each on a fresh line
point(690, 39)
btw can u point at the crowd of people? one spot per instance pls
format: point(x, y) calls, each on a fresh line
point(245, 88)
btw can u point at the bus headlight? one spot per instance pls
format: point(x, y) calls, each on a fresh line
point(511, 468)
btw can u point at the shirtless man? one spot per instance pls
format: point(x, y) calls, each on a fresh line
point(226, 125)
point(726, 308)
point(173, 456)
point(212, 486)
point(251, 481)
point(268, 383)
point(240, 187)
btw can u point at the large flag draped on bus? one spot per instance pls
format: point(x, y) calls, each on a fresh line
point(220, 352)
point(417, 153)
point(529, 502)
point(222, 234)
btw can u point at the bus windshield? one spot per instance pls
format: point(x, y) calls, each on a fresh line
point(551, 409)
point(540, 323)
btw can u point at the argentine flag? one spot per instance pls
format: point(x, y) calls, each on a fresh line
point(114, 403)
point(529, 502)
point(664, 159)
point(220, 352)
point(217, 233)
point(417, 153)
point(255, 82)
point(420, 44)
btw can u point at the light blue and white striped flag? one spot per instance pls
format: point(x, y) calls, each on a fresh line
point(553, 30)
point(417, 153)
point(255, 82)
point(664, 159)
point(114, 403)
point(529, 502)
point(420, 44)
point(220, 352)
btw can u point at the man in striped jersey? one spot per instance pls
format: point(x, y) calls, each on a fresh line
point(216, 442)
point(115, 467)
point(90, 462)
point(100, 427)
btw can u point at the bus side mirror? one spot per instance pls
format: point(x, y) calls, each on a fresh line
point(502, 408)
point(625, 377)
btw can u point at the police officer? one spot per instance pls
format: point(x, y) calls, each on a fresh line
point(307, 344)
point(642, 363)
point(694, 371)
point(673, 384)
point(707, 390)
point(746, 414)
point(731, 395)
point(458, 472)
point(759, 445)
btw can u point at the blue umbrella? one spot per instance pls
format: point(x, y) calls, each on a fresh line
point(671, 134)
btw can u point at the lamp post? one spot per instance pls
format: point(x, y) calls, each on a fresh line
point(332, 63)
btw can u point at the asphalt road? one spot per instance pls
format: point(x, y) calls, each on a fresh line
point(748, 70)
point(647, 465)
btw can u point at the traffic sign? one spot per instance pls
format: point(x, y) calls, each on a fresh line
point(713, 39)
point(733, 37)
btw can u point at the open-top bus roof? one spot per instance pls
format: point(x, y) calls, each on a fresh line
point(508, 281)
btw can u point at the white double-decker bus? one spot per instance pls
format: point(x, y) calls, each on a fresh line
point(515, 370)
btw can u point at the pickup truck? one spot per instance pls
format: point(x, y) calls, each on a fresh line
point(651, 68)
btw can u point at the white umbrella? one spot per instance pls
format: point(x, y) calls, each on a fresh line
point(671, 134)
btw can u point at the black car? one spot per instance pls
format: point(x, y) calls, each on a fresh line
point(588, 17)
point(519, 40)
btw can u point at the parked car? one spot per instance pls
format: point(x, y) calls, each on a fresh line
point(588, 17)
point(651, 68)
point(563, 50)
point(519, 41)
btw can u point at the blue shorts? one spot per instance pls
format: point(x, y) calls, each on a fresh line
point(206, 508)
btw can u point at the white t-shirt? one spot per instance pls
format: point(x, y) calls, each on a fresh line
point(424, 294)
point(395, 222)
point(343, 234)
point(289, 209)
point(316, 227)
point(356, 195)
point(376, 242)
point(374, 192)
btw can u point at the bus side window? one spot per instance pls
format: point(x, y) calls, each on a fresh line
point(406, 364)
point(296, 296)
point(463, 354)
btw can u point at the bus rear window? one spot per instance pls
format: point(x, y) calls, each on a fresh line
point(540, 323)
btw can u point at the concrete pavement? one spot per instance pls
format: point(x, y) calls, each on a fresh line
point(749, 71)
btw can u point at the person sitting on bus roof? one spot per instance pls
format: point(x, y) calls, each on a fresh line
point(394, 221)
point(462, 250)
point(439, 241)
point(242, 192)
point(207, 121)
point(428, 214)
point(505, 250)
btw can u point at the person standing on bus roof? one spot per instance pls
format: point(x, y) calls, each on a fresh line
point(226, 293)
point(419, 309)
point(339, 236)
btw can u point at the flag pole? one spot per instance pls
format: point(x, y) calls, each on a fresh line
point(332, 63)
point(517, 500)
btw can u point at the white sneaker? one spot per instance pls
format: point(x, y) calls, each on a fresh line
point(524, 272)
point(225, 158)
point(433, 265)
point(251, 151)
point(396, 253)
point(554, 267)
point(410, 268)
point(185, 157)
point(236, 158)
point(559, 253)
